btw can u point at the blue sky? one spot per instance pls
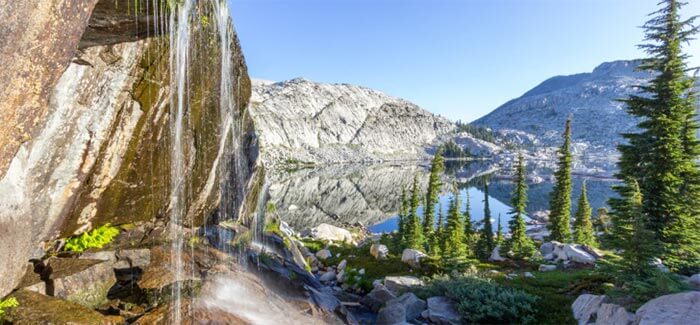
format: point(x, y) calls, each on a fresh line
point(457, 58)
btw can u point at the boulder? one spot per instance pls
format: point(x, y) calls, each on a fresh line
point(547, 248)
point(592, 251)
point(558, 252)
point(578, 255)
point(128, 258)
point(496, 255)
point(695, 281)
point(587, 305)
point(327, 277)
point(332, 233)
point(413, 305)
point(82, 281)
point(376, 298)
point(680, 308)
point(379, 251)
point(399, 283)
point(394, 314)
point(547, 267)
point(324, 254)
point(412, 257)
point(442, 310)
point(37, 308)
point(611, 314)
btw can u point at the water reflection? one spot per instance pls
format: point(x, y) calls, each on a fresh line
point(370, 194)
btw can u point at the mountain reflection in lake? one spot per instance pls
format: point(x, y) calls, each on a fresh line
point(371, 194)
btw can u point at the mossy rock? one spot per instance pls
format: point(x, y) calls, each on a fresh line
point(36, 308)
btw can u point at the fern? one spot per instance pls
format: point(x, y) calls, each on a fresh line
point(96, 238)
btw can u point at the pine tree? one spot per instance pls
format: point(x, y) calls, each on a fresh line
point(468, 227)
point(485, 244)
point(436, 247)
point(583, 227)
point(414, 231)
point(601, 221)
point(455, 251)
point(403, 216)
point(519, 245)
point(630, 230)
point(431, 197)
point(663, 156)
point(560, 200)
point(499, 232)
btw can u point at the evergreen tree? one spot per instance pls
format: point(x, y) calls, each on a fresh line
point(583, 227)
point(414, 231)
point(519, 245)
point(468, 227)
point(601, 221)
point(431, 197)
point(560, 200)
point(630, 230)
point(403, 216)
point(485, 244)
point(455, 251)
point(663, 156)
point(436, 246)
point(499, 232)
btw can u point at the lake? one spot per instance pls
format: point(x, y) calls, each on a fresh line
point(371, 194)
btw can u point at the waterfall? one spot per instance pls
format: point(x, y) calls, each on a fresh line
point(186, 15)
point(179, 63)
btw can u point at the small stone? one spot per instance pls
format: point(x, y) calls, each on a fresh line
point(342, 265)
point(379, 251)
point(547, 267)
point(361, 272)
point(341, 276)
point(528, 275)
point(327, 277)
point(323, 254)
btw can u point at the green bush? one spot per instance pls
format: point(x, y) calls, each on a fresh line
point(483, 301)
point(96, 238)
point(7, 303)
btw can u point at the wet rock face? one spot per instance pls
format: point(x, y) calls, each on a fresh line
point(39, 39)
point(99, 150)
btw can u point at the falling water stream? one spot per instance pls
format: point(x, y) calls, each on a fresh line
point(179, 63)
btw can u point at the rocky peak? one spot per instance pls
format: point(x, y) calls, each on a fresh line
point(307, 121)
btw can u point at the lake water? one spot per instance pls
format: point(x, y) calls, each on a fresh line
point(371, 194)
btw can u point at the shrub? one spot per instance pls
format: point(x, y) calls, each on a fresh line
point(7, 303)
point(96, 238)
point(483, 301)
